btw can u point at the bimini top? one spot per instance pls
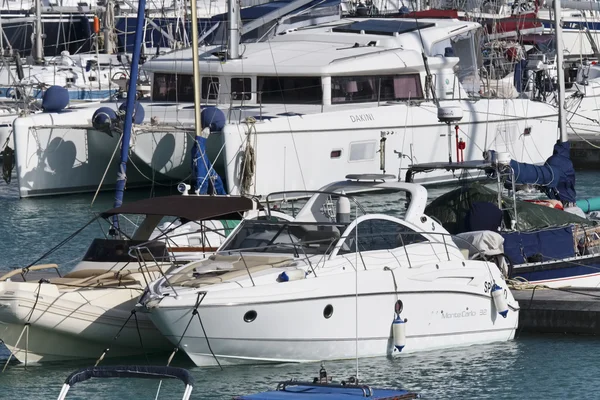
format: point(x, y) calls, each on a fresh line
point(130, 371)
point(190, 208)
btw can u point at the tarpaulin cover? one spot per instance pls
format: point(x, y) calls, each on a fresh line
point(325, 392)
point(452, 209)
point(191, 208)
point(556, 176)
point(544, 245)
point(130, 371)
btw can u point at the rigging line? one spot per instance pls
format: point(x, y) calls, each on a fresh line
point(52, 250)
point(287, 117)
point(106, 170)
point(356, 284)
point(429, 80)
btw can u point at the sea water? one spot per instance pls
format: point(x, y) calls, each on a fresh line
point(531, 366)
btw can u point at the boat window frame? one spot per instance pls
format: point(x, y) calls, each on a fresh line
point(177, 84)
point(246, 93)
point(294, 247)
point(207, 88)
point(365, 83)
point(277, 96)
point(349, 234)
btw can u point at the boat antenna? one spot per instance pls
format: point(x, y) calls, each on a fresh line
point(131, 105)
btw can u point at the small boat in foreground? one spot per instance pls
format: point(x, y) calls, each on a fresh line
point(323, 388)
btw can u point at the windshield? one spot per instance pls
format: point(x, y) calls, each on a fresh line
point(285, 237)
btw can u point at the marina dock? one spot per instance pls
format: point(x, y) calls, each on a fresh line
point(569, 310)
point(585, 151)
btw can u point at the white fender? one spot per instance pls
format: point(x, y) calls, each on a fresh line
point(399, 333)
point(499, 300)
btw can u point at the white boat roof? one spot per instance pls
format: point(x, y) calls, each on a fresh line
point(344, 47)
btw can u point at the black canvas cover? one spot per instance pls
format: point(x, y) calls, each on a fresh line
point(130, 371)
point(454, 210)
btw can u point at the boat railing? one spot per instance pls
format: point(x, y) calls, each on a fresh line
point(367, 391)
point(454, 248)
point(144, 257)
point(26, 270)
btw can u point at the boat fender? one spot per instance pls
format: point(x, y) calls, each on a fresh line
point(342, 210)
point(55, 99)
point(138, 112)
point(292, 275)
point(8, 163)
point(104, 119)
point(399, 332)
point(212, 118)
point(499, 300)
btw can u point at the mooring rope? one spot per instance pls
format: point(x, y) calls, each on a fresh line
point(26, 327)
point(106, 350)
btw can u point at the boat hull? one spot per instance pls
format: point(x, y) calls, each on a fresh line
point(291, 325)
point(576, 272)
point(74, 325)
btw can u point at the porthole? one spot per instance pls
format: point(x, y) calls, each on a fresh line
point(250, 316)
point(328, 311)
point(398, 307)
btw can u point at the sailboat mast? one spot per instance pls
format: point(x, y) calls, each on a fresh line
point(131, 98)
point(196, 68)
point(562, 123)
point(234, 33)
point(39, 49)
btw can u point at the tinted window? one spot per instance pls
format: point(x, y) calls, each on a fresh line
point(285, 89)
point(116, 250)
point(210, 88)
point(172, 87)
point(284, 237)
point(357, 89)
point(380, 234)
point(241, 88)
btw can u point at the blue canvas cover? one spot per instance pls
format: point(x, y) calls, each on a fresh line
point(556, 176)
point(325, 392)
point(542, 245)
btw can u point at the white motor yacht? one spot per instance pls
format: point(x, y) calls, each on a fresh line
point(333, 284)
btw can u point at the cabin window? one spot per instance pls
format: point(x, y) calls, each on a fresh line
point(172, 87)
point(289, 90)
point(241, 88)
point(362, 89)
point(380, 234)
point(362, 151)
point(210, 88)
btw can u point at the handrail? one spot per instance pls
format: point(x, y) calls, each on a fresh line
point(39, 267)
point(366, 389)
